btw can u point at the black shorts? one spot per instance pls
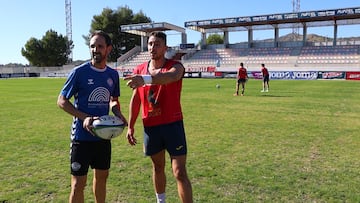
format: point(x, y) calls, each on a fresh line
point(266, 78)
point(97, 155)
point(169, 136)
point(241, 80)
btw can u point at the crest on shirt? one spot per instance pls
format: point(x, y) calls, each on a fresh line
point(110, 82)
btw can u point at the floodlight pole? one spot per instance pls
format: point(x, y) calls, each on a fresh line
point(68, 25)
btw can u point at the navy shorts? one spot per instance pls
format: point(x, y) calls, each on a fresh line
point(266, 78)
point(97, 155)
point(169, 136)
point(241, 80)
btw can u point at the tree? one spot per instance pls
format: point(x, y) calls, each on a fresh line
point(110, 21)
point(51, 50)
point(215, 39)
point(33, 51)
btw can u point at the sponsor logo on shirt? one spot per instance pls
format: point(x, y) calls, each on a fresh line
point(90, 81)
point(99, 97)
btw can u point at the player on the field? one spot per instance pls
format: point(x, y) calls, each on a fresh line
point(241, 79)
point(157, 86)
point(95, 88)
point(265, 74)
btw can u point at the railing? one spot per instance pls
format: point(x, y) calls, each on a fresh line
point(128, 55)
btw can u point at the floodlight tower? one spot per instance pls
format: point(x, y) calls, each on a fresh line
point(296, 9)
point(68, 24)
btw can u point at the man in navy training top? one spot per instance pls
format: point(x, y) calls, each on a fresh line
point(95, 88)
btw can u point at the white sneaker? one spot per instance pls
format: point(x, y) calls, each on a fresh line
point(262, 91)
point(266, 90)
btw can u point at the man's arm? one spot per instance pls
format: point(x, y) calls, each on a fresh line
point(68, 107)
point(115, 108)
point(175, 73)
point(134, 109)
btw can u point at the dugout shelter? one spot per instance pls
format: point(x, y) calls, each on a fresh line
point(143, 29)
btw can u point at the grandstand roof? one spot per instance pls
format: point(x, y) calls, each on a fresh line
point(342, 16)
point(144, 28)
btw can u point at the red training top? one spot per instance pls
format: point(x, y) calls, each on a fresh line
point(242, 73)
point(264, 71)
point(160, 103)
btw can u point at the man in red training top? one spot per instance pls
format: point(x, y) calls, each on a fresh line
point(241, 79)
point(157, 86)
point(265, 74)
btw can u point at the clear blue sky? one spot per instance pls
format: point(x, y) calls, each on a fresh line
point(23, 19)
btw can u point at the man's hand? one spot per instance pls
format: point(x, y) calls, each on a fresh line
point(87, 123)
point(130, 136)
point(134, 81)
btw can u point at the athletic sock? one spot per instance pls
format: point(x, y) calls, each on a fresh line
point(160, 198)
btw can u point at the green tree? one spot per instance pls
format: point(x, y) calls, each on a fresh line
point(52, 50)
point(33, 51)
point(110, 21)
point(215, 39)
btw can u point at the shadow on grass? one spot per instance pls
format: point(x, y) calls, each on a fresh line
point(271, 95)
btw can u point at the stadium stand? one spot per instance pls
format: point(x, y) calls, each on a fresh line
point(279, 54)
point(138, 59)
point(269, 55)
point(329, 55)
point(295, 58)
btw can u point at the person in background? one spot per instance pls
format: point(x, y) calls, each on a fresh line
point(95, 88)
point(265, 75)
point(241, 79)
point(157, 85)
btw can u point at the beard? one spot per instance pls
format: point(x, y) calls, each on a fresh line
point(155, 56)
point(97, 57)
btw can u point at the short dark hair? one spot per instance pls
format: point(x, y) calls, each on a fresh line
point(241, 64)
point(262, 64)
point(158, 34)
point(103, 34)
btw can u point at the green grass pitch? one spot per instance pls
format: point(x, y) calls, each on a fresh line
point(297, 143)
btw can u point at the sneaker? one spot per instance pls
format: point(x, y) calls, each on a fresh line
point(242, 94)
point(235, 94)
point(266, 90)
point(262, 91)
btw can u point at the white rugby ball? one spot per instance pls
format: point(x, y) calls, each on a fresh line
point(108, 127)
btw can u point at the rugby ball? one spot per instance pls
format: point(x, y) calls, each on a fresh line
point(108, 127)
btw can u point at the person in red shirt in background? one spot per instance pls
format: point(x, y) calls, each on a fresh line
point(241, 79)
point(157, 86)
point(265, 74)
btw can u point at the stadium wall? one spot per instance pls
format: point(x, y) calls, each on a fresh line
point(280, 73)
